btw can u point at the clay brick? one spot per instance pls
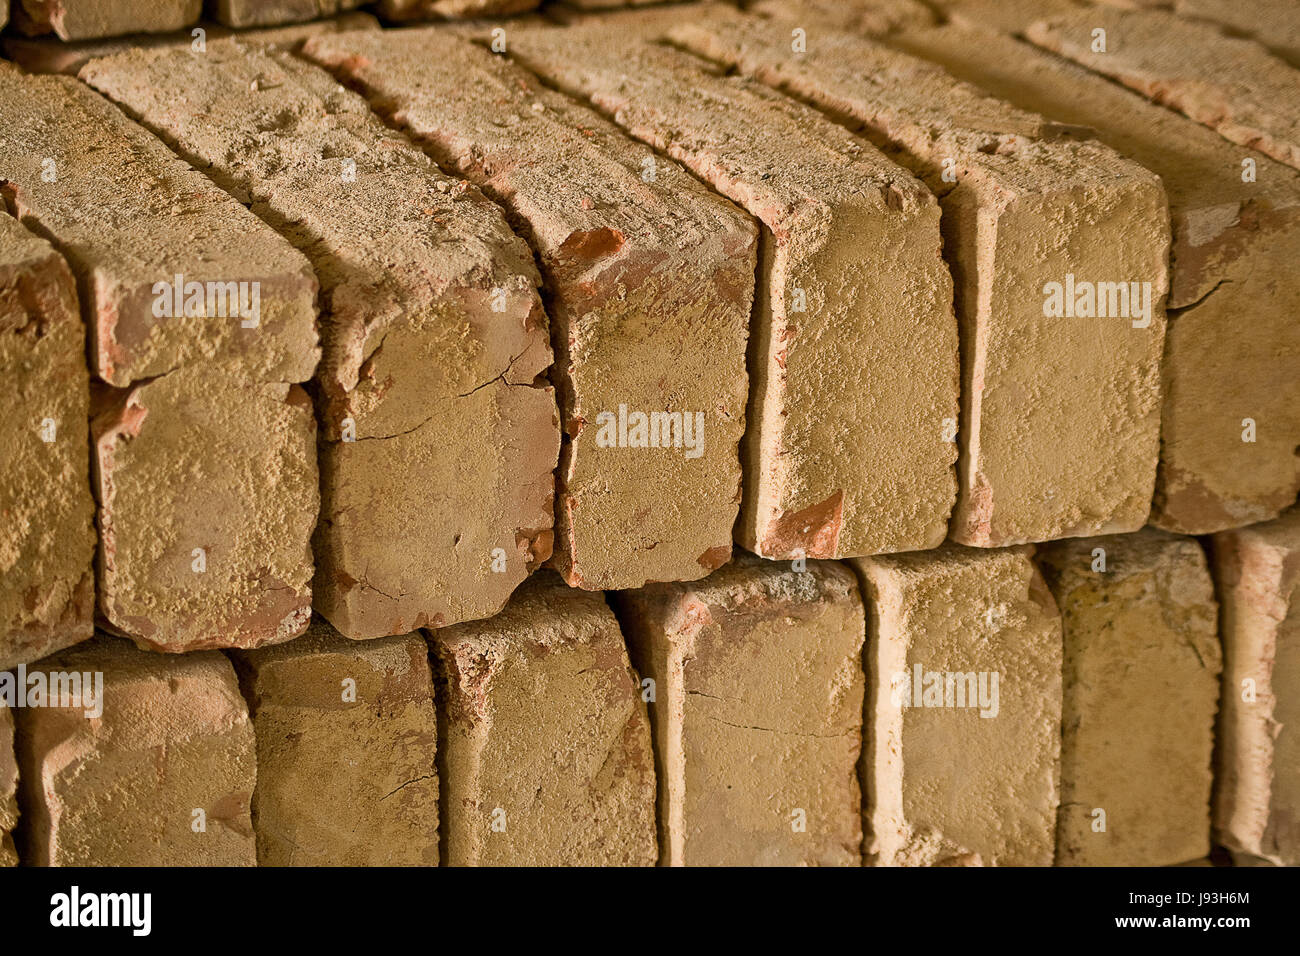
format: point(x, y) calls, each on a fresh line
point(247, 454)
point(757, 713)
point(346, 735)
point(546, 756)
point(1233, 243)
point(85, 19)
point(1257, 797)
point(849, 396)
point(47, 540)
point(450, 9)
point(122, 789)
point(127, 214)
point(54, 56)
point(451, 468)
point(1141, 691)
point(1271, 22)
point(266, 13)
point(946, 784)
point(1234, 86)
point(872, 17)
point(649, 289)
point(1002, 16)
point(8, 789)
point(1040, 459)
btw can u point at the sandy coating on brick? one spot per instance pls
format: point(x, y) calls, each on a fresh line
point(1257, 799)
point(265, 13)
point(127, 214)
point(1233, 242)
point(545, 734)
point(440, 9)
point(192, 461)
point(84, 19)
point(1027, 208)
point(1141, 691)
point(1272, 23)
point(44, 55)
point(872, 17)
point(121, 789)
point(47, 539)
point(832, 461)
point(945, 785)
point(346, 736)
point(8, 789)
point(433, 332)
point(649, 287)
point(1234, 86)
point(758, 713)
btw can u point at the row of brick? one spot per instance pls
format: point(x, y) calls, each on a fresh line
point(438, 436)
point(1011, 717)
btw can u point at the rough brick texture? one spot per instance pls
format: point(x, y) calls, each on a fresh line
point(433, 333)
point(1040, 459)
point(1233, 86)
point(265, 13)
point(872, 17)
point(946, 784)
point(757, 713)
point(450, 9)
point(346, 737)
point(649, 289)
point(1257, 796)
point(853, 368)
point(47, 540)
point(1273, 23)
point(123, 789)
point(1141, 691)
point(86, 19)
point(1233, 242)
point(208, 494)
point(8, 789)
point(546, 754)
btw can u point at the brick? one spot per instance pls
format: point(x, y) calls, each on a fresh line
point(1232, 243)
point(1141, 691)
point(946, 784)
point(546, 756)
point(757, 713)
point(1270, 22)
point(247, 453)
point(1040, 459)
point(450, 9)
point(1002, 16)
point(873, 17)
point(127, 214)
point(86, 19)
point(8, 789)
point(649, 289)
point(346, 736)
point(47, 539)
point(1234, 86)
point(44, 55)
point(455, 441)
point(1257, 798)
point(266, 13)
point(834, 442)
point(122, 789)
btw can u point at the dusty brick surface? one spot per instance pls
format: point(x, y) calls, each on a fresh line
point(86, 19)
point(757, 713)
point(1257, 795)
point(47, 539)
point(858, 16)
point(1271, 22)
point(346, 736)
point(8, 789)
point(247, 454)
point(266, 13)
point(45, 55)
point(450, 9)
point(946, 785)
point(455, 441)
point(649, 290)
point(127, 214)
point(121, 789)
point(1141, 691)
point(545, 736)
point(848, 396)
point(1234, 86)
point(1028, 207)
point(1233, 242)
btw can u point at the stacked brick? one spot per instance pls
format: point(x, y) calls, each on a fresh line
point(911, 276)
